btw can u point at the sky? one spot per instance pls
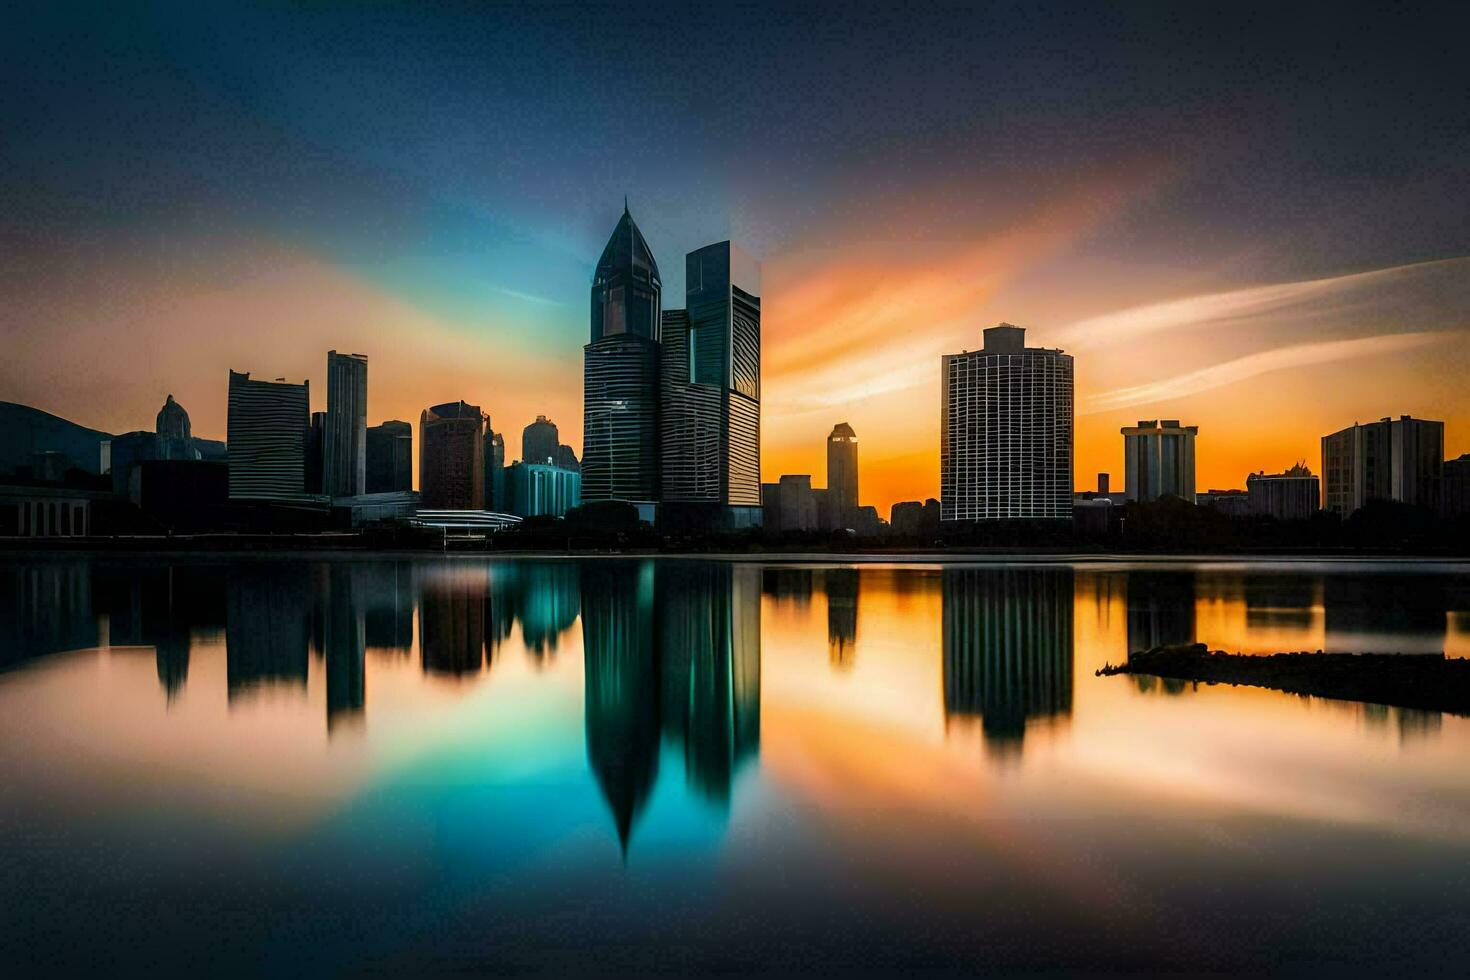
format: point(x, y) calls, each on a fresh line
point(1251, 219)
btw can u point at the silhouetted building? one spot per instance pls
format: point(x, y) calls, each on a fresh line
point(182, 495)
point(267, 433)
point(1158, 460)
point(125, 452)
point(539, 441)
point(175, 434)
point(621, 675)
point(842, 476)
point(912, 519)
point(1454, 496)
point(316, 443)
point(495, 492)
point(1005, 433)
point(566, 458)
point(620, 452)
point(451, 457)
point(1007, 648)
point(542, 489)
point(344, 442)
point(389, 457)
point(1294, 495)
point(796, 505)
point(1231, 503)
point(1398, 459)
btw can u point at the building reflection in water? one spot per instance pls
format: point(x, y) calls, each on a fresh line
point(452, 608)
point(841, 586)
point(1007, 648)
point(344, 641)
point(621, 685)
point(389, 596)
point(1385, 613)
point(45, 608)
point(160, 606)
point(267, 625)
point(671, 648)
point(1160, 609)
point(788, 584)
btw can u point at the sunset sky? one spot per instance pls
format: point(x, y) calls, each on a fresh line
point(1253, 220)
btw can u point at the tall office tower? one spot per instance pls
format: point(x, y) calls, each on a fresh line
point(175, 435)
point(1005, 431)
point(539, 441)
point(620, 372)
point(344, 442)
point(495, 498)
point(1392, 459)
point(389, 457)
point(842, 475)
point(266, 436)
point(451, 457)
point(710, 402)
point(1158, 460)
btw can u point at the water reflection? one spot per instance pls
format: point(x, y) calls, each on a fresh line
point(267, 625)
point(841, 586)
point(1007, 649)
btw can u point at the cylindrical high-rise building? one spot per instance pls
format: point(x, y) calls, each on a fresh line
point(842, 476)
point(620, 448)
point(1005, 432)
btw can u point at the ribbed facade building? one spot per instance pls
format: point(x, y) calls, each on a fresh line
point(710, 412)
point(344, 440)
point(537, 489)
point(451, 457)
point(1158, 460)
point(1005, 433)
point(620, 457)
point(266, 435)
point(390, 457)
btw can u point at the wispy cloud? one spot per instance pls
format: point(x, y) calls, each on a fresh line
point(1312, 297)
point(526, 297)
point(1252, 365)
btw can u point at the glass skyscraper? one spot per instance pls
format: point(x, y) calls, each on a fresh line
point(620, 372)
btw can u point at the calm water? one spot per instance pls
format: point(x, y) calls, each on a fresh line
point(413, 767)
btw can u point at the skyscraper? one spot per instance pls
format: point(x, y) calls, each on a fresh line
point(620, 372)
point(1158, 460)
point(266, 436)
point(539, 441)
point(451, 457)
point(710, 405)
point(1005, 432)
point(344, 441)
point(842, 475)
point(495, 496)
point(1392, 459)
point(390, 457)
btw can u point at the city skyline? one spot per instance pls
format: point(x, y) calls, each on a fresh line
point(1269, 273)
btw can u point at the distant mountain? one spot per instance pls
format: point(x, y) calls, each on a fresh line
point(25, 431)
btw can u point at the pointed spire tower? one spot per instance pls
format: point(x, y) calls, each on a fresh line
point(620, 448)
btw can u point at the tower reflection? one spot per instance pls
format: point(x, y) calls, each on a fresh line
point(1007, 648)
point(1160, 609)
point(671, 648)
point(841, 586)
point(344, 643)
point(452, 621)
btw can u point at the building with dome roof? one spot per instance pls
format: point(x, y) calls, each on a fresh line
point(175, 437)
